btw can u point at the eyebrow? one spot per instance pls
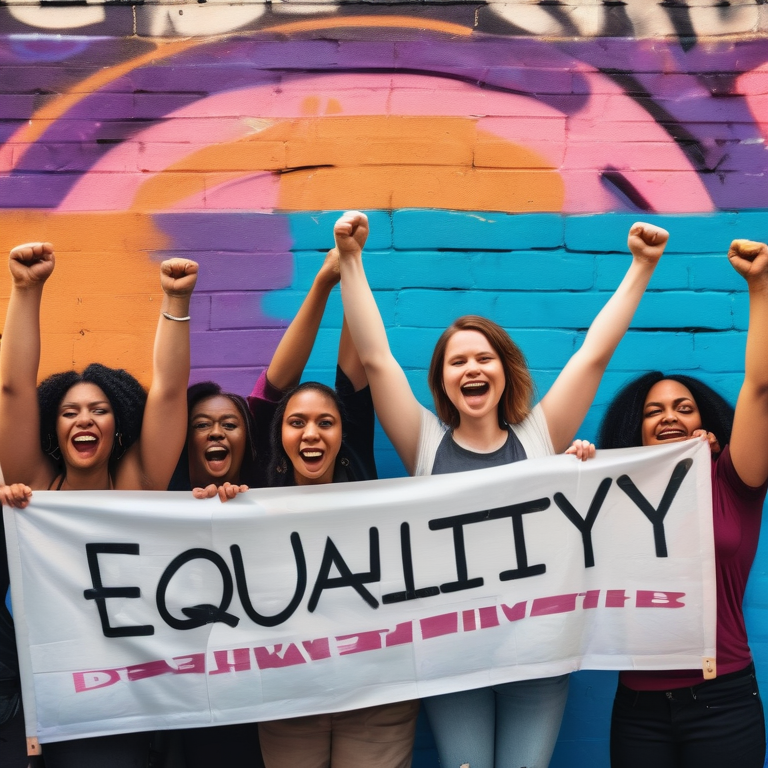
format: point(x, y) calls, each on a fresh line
point(304, 415)
point(204, 415)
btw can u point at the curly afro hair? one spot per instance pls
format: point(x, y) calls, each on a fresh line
point(126, 396)
point(622, 424)
point(249, 470)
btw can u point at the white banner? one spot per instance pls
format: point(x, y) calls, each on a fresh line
point(139, 611)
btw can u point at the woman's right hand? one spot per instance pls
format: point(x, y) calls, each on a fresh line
point(225, 492)
point(16, 495)
point(178, 277)
point(647, 241)
point(31, 264)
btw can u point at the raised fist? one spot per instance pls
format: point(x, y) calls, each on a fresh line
point(31, 264)
point(350, 233)
point(749, 259)
point(647, 241)
point(178, 277)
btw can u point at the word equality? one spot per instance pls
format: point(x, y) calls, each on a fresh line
point(334, 563)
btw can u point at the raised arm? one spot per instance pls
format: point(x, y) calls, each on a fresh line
point(21, 455)
point(295, 347)
point(749, 438)
point(349, 360)
point(567, 402)
point(149, 463)
point(397, 408)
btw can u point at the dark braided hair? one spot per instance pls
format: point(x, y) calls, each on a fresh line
point(623, 421)
point(126, 397)
point(280, 471)
point(249, 474)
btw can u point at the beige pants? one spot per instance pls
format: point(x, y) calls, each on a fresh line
point(373, 737)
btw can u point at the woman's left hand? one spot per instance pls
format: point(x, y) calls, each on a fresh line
point(178, 277)
point(708, 437)
point(582, 450)
point(225, 492)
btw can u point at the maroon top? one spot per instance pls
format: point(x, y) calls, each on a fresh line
point(737, 510)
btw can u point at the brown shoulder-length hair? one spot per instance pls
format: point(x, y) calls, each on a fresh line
point(515, 402)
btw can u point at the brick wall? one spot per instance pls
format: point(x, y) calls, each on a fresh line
point(501, 149)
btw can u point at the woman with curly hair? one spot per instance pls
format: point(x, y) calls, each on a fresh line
point(676, 719)
point(93, 431)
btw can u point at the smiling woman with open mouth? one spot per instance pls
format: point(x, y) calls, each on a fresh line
point(483, 396)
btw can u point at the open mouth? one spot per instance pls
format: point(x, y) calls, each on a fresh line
point(474, 388)
point(312, 457)
point(671, 434)
point(216, 456)
point(85, 443)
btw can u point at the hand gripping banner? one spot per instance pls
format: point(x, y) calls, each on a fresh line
point(139, 611)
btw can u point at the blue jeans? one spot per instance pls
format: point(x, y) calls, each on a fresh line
point(513, 725)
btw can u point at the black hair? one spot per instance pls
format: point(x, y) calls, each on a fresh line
point(249, 474)
point(280, 471)
point(623, 421)
point(126, 397)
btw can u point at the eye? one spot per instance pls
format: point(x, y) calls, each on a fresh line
point(297, 423)
point(326, 423)
point(230, 425)
point(652, 412)
point(686, 409)
point(68, 414)
point(100, 411)
point(201, 425)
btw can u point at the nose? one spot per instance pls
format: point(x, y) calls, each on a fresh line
point(669, 416)
point(84, 418)
point(310, 432)
point(216, 432)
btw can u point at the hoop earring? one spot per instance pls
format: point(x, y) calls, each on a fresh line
point(118, 454)
point(52, 450)
point(282, 466)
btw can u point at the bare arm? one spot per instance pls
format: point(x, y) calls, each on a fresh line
point(397, 408)
point(21, 455)
point(349, 360)
point(295, 347)
point(149, 463)
point(567, 402)
point(749, 449)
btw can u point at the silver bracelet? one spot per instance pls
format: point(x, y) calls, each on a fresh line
point(168, 316)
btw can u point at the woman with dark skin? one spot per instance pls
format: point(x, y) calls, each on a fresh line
point(676, 719)
point(228, 451)
point(97, 430)
point(208, 420)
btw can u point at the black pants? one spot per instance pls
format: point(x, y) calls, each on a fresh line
point(716, 724)
point(123, 750)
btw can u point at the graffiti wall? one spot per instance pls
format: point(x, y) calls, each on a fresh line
point(501, 149)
